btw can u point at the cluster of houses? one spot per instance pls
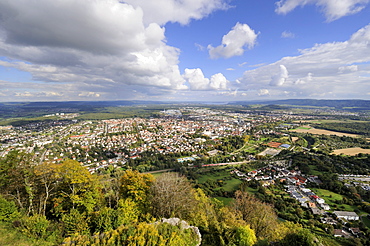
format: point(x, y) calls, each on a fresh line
point(362, 181)
point(317, 205)
point(268, 175)
point(307, 198)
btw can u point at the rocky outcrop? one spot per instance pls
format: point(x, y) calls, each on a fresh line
point(182, 224)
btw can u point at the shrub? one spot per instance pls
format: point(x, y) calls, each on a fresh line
point(8, 210)
point(35, 226)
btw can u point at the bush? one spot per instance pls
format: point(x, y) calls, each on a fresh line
point(8, 210)
point(35, 226)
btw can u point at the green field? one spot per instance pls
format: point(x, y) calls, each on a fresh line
point(224, 200)
point(303, 128)
point(366, 221)
point(327, 195)
point(214, 174)
point(231, 185)
point(314, 171)
point(331, 198)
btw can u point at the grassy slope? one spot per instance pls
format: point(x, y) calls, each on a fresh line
point(330, 198)
point(11, 237)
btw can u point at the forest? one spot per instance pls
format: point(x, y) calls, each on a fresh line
point(52, 204)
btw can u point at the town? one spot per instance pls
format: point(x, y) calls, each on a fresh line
point(196, 138)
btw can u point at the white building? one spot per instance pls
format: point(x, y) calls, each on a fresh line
point(346, 215)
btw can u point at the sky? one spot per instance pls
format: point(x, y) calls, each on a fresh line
point(184, 50)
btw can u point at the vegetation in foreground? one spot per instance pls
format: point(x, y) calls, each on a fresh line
point(66, 204)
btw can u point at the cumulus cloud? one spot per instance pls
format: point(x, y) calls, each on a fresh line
point(197, 81)
point(279, 79)
point(337, 69)
point(235, 42)
point(112, 45)
point(163, 11)
point(305, 80)
point(333, 9)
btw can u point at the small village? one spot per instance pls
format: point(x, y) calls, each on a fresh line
point(296, 188)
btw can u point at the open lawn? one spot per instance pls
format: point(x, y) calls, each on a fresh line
point(215, 174)
point(322, 121)
point(304, 127)
point(248, 147)
point(326, 194)
point(351, 151)
point(322, 132)
point(331, 198)
point(231, 185)
point(224, 200)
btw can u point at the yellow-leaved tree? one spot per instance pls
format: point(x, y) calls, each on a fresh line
point(77, 188)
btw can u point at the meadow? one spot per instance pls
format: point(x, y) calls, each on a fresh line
point(321, 132)
point(333, 200)
point(351, 151)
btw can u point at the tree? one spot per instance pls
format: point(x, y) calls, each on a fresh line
point(78, 189)
point(261, 216)
point(302, 237)
point(172, 196)
point(47, 176)
point(220, 225)
point(75, 222)
point(136, 186)
point(245, 236)
point(8, 210)
point(16, 179)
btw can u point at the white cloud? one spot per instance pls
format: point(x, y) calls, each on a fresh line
point(333, 9)
point(163, 11)
point(348, 69)
point(337, 69)
point(305, 80)
point(287, 34)
point(88, 94)
point(263, 92)
point(113, 45)
point(234, 42)
point(197, 81)
point(279, 79)
point(218, 82)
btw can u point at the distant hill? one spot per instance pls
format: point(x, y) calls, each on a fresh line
point(338, 104)
point(35, 109)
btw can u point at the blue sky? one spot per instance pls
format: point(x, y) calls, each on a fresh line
point(189, 50)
